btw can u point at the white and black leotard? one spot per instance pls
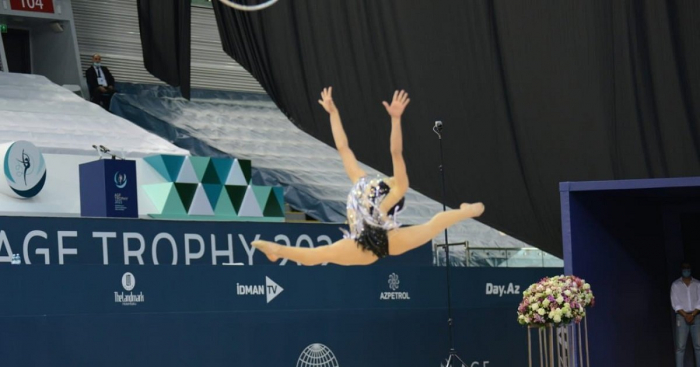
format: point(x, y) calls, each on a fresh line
point(368, 226)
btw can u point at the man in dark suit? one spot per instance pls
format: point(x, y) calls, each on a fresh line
point(100, 82)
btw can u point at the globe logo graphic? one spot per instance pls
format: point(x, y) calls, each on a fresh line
point(317, 355)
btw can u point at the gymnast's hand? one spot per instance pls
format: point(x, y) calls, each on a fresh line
point(398, 104)
point(327, 100)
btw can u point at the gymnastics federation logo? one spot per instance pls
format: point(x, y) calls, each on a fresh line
point(24, 168)
point(271, 289)
point(128, 299)
point(394, 281)
point(120, 180)
point(394, 286)
point(317, 355)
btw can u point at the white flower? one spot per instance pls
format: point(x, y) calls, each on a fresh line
point(567, 292)
point(560, 300)
point(545, 303)
point(548, 292)
point(534, 306)
point(586, 286)
point(557, 318)
point(541, 311)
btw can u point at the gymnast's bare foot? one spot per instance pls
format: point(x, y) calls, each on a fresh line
point(472, 210)
point(268, 248)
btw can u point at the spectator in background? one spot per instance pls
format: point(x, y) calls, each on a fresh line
point(685, 300)
point(100, 82)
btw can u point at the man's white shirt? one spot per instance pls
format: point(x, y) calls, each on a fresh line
point(686, 298)
point(101, 80)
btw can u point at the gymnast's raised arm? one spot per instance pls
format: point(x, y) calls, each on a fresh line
point(352, 168)
point(395, 110)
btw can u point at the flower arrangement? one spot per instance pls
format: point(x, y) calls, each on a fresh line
point(559, 300)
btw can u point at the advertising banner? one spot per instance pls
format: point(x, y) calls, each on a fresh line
point(116, 241)
point(263, 315)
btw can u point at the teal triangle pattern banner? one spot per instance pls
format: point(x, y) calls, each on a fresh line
point(186, 192)
point(205, 187)
point(200, 203)
point(224, 206)
point(272, 207)
point(213, 192)
point(168, 166)
point(210, 175)
point(246, 169)
point(236, 176)
point(250, 206)
point(262, 193)
point(200, 165)
point(173, 163)
point(187, 173)
point(279, 195)
point(222, 167)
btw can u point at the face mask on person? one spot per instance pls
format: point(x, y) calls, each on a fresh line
point(96, 64)
point(686, 273)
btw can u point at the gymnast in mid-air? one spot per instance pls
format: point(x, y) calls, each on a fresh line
point(373, 205)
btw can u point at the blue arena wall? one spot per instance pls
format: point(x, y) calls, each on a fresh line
point(86, 313)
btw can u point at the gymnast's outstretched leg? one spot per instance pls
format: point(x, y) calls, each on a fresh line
point(405, 239)
point(343, 252)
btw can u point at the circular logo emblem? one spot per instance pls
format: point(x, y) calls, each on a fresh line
point(317, 355)
point(128, 281)
point(120, 180)
point(24, 169)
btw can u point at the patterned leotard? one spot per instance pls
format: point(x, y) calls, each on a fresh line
point(368, 226)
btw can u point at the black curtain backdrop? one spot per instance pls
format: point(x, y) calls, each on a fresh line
point(531, 93)
point(165, 39)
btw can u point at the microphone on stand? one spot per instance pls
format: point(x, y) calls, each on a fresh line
point(453, 358)
point(99, 152)
point(101, 149)
point(438, 128)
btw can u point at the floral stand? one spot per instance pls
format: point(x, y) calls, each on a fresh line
point(558, 346)
point(554, 311)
